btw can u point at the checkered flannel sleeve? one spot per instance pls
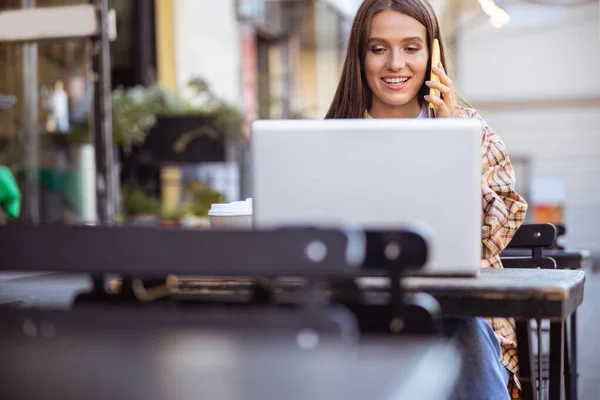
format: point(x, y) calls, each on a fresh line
point(503, 208)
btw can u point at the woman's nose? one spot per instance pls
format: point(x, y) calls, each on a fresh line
point(395, 62)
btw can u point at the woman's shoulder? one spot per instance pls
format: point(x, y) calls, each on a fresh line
point(486, 132)
point(467, 112)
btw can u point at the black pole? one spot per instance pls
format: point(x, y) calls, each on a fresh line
point(30, 104)
point(102, 120)
point(143, 32)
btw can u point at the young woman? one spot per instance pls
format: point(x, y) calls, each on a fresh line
point(385, 75)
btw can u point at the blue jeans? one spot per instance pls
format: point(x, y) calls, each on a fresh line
point(483, 377)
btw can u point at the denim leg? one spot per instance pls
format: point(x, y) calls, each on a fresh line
point(483, 377)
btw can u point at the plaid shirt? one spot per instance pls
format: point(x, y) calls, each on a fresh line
point(503, 213)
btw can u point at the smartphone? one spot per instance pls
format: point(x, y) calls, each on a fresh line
point(435, 60)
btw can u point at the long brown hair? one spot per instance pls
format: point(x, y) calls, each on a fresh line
point(353, 95)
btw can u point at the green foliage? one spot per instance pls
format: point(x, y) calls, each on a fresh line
point(135, 110)
point(173, 215)
point(138, 202)
point(199, 197)
point(133, 115)
point(197, 200)
point(226, 117)
point(230, 121)
point(79, 134)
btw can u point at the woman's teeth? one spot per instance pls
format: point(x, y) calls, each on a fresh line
point(395, 81)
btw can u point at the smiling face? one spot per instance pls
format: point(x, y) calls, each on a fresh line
point(395, 64)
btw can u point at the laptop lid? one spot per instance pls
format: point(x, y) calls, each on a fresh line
point(379, 173)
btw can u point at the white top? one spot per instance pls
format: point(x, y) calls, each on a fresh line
point(423, 113)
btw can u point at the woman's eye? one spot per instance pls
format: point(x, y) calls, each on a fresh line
point(412, 49)
point(377, 50)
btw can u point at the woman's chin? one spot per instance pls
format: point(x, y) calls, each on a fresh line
point(398, 101)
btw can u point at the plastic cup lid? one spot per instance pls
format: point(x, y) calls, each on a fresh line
point(236, 208)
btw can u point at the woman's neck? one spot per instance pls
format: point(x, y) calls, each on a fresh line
point(379, 109)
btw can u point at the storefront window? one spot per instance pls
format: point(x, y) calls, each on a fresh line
point(52, 84)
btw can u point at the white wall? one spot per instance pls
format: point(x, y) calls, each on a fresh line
point(536, 83)
point(564, 145)
point(347, 7)
point(207, 45)
point(544, 52)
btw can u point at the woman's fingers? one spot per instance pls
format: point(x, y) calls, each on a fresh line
point(446, 88)
point(441, 73)
point(448, 93)
point(441, 109)
point(439, 86)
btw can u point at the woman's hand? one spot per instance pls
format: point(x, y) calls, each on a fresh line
point(445, 107)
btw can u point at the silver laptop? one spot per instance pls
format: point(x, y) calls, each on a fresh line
point(378, 173)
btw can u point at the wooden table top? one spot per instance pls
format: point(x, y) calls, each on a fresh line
point(526, 293)
point(519, 293)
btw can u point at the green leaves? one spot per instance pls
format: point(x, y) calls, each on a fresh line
point(134, 114)
point(10, 196)
point(135, 111)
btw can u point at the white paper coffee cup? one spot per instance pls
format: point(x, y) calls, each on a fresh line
point(234, 215)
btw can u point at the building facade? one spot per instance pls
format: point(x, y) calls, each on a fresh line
point(533, 81)
point(271, 58)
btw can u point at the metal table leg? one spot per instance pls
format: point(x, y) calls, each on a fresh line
point(527, 374)
point(538, 323)
point(557, 336)
point(567, 362)
point(574, 373)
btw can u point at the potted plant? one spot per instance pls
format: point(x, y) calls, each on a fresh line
point(140, 208)
point(133, 114)
point(198, 198)
point(170, 218)
point(153, 123)
point(192, 130)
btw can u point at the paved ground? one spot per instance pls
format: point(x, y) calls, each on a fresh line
point(59, 290)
